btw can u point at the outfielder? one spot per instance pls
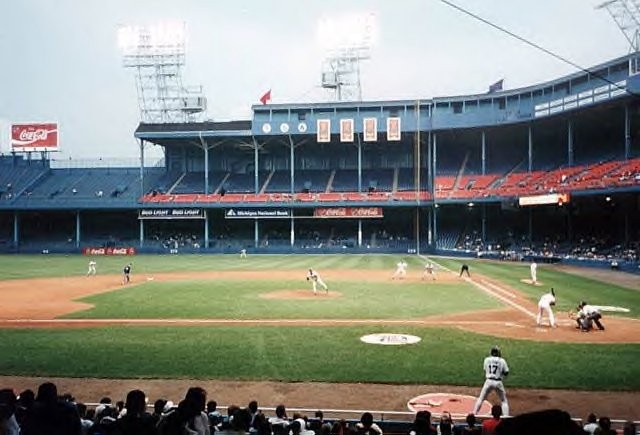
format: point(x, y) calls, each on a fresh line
point(534, 272)
point(545, 303)
point(429, 271)
point(315, 279)
point(126, 272)
point(92, 268)
point(401, 270)
point(495, 369)
point(243, 253)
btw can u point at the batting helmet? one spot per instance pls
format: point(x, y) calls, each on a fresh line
point(495, 351)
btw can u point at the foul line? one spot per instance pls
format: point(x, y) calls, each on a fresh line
point(488, 291)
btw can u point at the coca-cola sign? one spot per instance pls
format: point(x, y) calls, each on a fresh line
point(34, 137)
point(348, 212)
point(109, 251)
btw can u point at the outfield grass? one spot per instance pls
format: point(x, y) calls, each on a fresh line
point(444, 356)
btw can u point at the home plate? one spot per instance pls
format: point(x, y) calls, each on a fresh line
point(150, 278)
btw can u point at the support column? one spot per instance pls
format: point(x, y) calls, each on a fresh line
point(359, 232)
point(359, 163)
point(434, 161)
point(569, 142)
point(484, 153)
point(430, 227)
point(627, 132)
point(16, 229)
point(417, 225)
point(484, 224)
point(292, 235)
point(530, 154)
point(206, 168)
point(141, 232)
point(530, 225)
point(78, 229)
point(256, 181)
point(430, 176)
point(435, 224)
point(291, 164)
point(256, 234)
point(142, 191)
point(206, 229)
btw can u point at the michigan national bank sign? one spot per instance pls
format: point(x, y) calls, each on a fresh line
point(257, 213)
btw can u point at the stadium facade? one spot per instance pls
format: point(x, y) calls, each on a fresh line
point(553, 167)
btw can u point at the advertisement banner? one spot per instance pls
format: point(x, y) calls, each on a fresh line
point(109, 251)
point(324, 130)
point(348, 212)
point(552, 198)
point(171, 213)
point(393, 129)
point(34, 137)
point(370, 128)
point(257, 213)
point(346, 130)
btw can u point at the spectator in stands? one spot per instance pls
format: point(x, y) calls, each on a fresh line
point(253, 410)
point(280, 421)
point(367, 426)
point(422, 424)
point(85, 423)
point(592, 424)
point(548, 422)
point(51, 416)
point(136, 421)
point(604, 427)
point(158, 409)
point(105, 422)
point(489, 426)
point(189, 416)
point(105, 402)
point(340, 427)
point(215, 417)
point(471, 428)
point(319, 426)
point(629, 428)
point(239, 422)
point(445, 427)
point(24, 405)
point(8, 422)
point(261, 425)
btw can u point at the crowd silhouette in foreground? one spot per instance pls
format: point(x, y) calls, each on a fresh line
point(48, 413)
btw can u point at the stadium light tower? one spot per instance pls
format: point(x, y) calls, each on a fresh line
point(157, 54)
point(346, 41)
point(626, 14)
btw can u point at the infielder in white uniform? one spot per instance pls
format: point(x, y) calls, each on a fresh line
point(92, 268)
point(401, 270)
point(534, 272)
point(315, 279)
point(495, 369)
point(243, 253)
point(545, 303)
point(429, 271)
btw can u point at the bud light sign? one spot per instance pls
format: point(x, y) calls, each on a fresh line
point(34, 137)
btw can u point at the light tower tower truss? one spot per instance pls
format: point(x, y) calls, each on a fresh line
point(346, 41)
point(626, 14)
point(157, 54)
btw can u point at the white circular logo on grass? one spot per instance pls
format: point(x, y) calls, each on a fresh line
point(390, 339)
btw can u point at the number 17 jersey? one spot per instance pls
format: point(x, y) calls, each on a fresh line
point(495, 368)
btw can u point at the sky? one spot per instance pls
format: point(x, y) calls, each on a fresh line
point(61, 60)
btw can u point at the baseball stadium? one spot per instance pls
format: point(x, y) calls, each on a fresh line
point(226, 236)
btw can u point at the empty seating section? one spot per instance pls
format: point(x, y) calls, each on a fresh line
point(15, 179)
point(114, 184)
point(345, 180)
point(377, 185)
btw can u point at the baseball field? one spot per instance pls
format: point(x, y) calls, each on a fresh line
point(252, 327)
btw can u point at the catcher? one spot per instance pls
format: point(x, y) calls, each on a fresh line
point(586, 316)
point(315, 279)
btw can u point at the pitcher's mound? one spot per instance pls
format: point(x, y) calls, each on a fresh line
point(300, 294)
point(528, 281)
